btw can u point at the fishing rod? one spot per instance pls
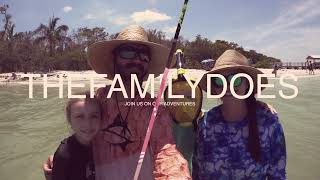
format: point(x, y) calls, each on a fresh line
point(161, 89)
point(180, 62)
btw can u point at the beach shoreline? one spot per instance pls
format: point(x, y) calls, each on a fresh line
point(85, 76)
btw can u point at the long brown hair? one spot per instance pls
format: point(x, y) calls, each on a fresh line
point(253, 139)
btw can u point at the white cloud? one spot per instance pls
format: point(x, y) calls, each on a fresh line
point(120, 21)
point(67, 9)
point(170, 30)
point(296, 49)
point(288, 36)
point(295, 15)
point(89, 16)
point(149, 16)
point(140, 17)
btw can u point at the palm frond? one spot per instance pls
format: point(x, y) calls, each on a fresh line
point(41, 29)
point(40, 39)
point(62, 28)
point(54, 22)
point(11, 31)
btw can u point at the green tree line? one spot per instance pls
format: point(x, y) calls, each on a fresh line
point(53, 46)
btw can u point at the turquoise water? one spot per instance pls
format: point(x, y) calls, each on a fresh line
point(31, 129)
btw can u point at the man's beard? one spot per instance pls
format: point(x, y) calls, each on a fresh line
point(131, 68)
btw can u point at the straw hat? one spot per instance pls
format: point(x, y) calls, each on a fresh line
point(101, 57)
point(233, 60)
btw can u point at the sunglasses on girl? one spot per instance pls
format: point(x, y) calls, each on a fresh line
point(219, 83)
point(131, 53)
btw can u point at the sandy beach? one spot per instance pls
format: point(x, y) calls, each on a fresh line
point(85, 76)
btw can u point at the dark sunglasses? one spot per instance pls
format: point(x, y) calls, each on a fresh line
point(130, 53)
point(219, 83)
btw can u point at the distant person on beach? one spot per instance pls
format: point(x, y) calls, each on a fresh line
point(241, 138)
point(275, 69)
point(311, 68)
point(117, 146)
point(74, 159)
point(308, 67)
point(14, 76)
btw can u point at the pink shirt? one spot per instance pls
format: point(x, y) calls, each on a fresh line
point(162, 160)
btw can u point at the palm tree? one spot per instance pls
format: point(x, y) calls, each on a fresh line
point(10, 37)
point(7, 22)
point(156, 36)
point(51, 35)
point(3, 8)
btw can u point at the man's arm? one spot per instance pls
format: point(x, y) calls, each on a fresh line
point(168, 161)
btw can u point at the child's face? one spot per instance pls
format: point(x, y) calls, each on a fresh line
point(85, 119)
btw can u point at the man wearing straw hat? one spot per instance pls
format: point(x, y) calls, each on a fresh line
point(117, 146)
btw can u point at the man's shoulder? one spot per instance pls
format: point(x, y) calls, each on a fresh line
point(103, 91)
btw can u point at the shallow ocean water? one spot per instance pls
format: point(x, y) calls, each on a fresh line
point(31, 129)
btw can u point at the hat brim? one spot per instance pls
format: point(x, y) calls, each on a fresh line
point(100, 57)
point(251, 71)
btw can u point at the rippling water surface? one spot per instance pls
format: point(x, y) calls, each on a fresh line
point(31, 129)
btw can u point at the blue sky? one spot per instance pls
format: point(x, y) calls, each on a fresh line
point(285, 29)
